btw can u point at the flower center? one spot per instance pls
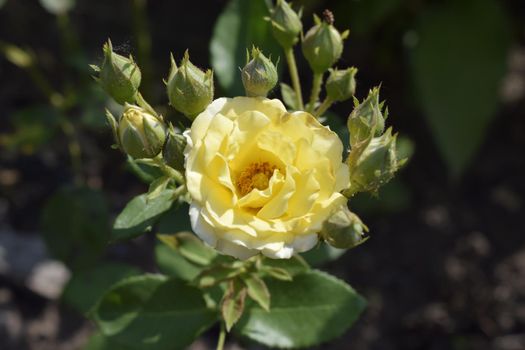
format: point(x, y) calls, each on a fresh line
point(256, 175)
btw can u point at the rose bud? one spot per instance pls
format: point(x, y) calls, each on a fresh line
point(140, 134)
point(366, 118)
point(340, 85)
point(286, 24)
point(259, 75)
point(119, 76)
point(343, 229)
point(190, 90)
point(323, 44)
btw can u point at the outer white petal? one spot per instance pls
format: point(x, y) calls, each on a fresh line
point(235, 250)
point(300, 244)
point(201, 227)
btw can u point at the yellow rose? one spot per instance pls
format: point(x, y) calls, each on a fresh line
point(262, 179)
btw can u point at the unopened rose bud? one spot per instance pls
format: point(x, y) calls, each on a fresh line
point(190, 90)
point(367, 118)
point(375, 165)
point(343, 229)
point(119, 76)
point(340, 85)
point(140, 134)
point(173, 151)
point(286, 24)
point(323, 44)
point(259, 75)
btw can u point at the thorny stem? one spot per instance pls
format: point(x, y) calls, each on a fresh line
point(327, 103)
point(222, 337)
point(294, 75)
point(316, 89)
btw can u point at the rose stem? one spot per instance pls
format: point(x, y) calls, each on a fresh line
point(294, 75)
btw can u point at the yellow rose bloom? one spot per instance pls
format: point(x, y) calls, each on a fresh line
point(262, 180)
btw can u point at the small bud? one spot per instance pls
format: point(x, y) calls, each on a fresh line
point(173, 152)
point(259, 75)
point(367, 118)
point(286, 24)
point(340, 85)
point(374, 165)
point(119, 76)
point(190, 90)
point(323, 45)
point(343, 229)
point(141, 135)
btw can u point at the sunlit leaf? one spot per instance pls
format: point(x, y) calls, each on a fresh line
point(315, 307)
point(139, 214)
point(153, 312)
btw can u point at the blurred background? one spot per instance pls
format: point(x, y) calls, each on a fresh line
point(445, 265)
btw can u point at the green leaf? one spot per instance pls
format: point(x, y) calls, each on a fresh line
point(175, 220)
point(289, 97)
point(458, 65)
point(240, 25)
point(100, 342)
point(57, 7)
point(153, 312)
point(293, 266)
point(75, 224)
point(158, 186)
point(314, 308)
point(172, 263)
point(232, 305)
point(258, 291)
point(322, 254)
point(145, 173)
point(139, 214)
point(190, 246)
point(88, 285)
point(217, 274)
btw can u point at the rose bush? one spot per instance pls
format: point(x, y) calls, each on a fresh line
point(262, 179)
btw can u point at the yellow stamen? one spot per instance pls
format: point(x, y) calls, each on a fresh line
point(256, 175)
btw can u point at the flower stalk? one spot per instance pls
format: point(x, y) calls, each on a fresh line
point(294, 76)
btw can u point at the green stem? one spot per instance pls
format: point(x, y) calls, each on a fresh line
point(222, 337)
point(327, 103)
point(317, 82)
point(142, 40)
point(75, 153)
point(294, 75)
point(179, 191)
point(169, 171)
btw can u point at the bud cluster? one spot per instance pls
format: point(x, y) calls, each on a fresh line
point(373, 158)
